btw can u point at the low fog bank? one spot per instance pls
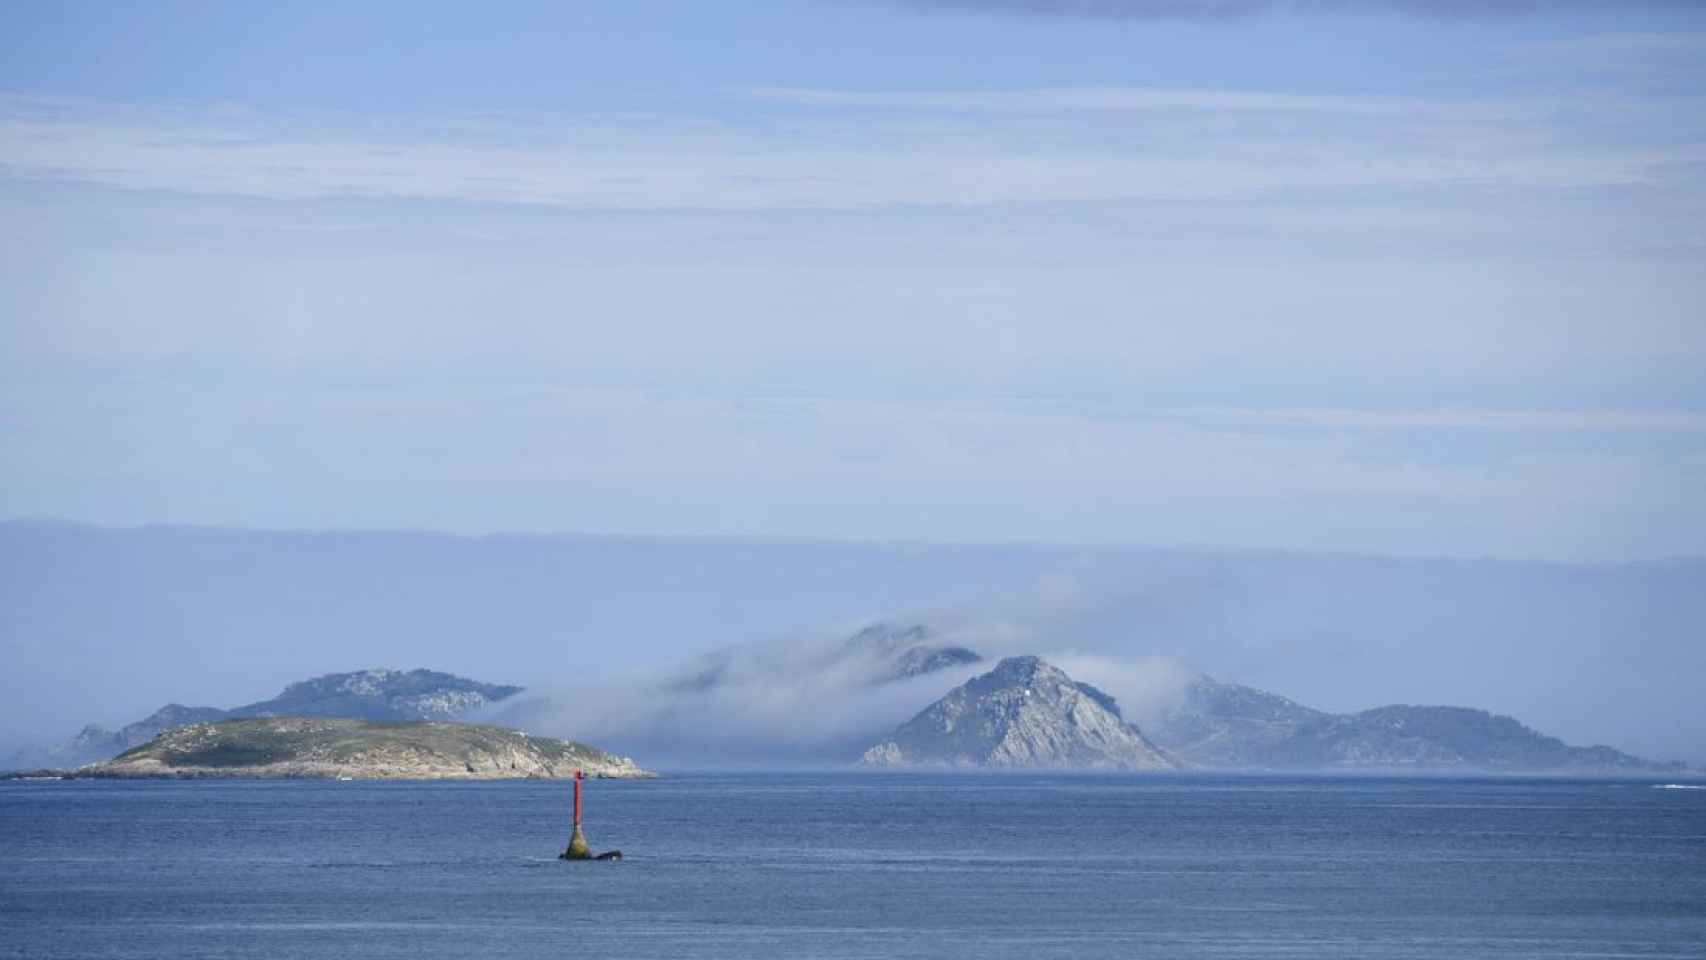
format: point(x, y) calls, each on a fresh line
point(811, 699)
point(794, 720)
point(608, 634)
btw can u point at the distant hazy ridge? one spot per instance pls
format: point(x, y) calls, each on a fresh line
point(1027, 713)
point(1226, 726)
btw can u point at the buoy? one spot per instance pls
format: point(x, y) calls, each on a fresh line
point(578, 849)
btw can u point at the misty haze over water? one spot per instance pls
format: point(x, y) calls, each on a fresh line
point(107, 625)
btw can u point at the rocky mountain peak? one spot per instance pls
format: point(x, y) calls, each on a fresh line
point(1020, 669)
point(382, 694)
point(885, 638)
point(1025, 712)
point(906, 651)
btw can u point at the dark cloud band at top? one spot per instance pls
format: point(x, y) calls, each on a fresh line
point(1216, 9)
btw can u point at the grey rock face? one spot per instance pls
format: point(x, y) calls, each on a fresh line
point(1227, 726)
point(1450, 738)
point(907, 652)
point(1025, 713)
point(381, 695)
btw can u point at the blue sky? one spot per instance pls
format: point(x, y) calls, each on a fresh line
point(1379, 276)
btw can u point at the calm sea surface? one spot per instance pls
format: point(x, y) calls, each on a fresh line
point(795, 865)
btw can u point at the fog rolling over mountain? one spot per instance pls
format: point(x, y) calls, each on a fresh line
point(811, 700)
point(909, 652)
point(824, 702)
point(1227, 725)
point(106, 625)
point(1029, 714)
point(877, 654)
point(95, 742)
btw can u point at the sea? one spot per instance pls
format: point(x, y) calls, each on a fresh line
point(846, 865)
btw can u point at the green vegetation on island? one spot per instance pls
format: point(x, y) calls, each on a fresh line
point(327, 747)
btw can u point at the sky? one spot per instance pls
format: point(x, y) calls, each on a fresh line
point(1404, 277)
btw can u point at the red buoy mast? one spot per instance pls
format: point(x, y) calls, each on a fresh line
point(577, 841)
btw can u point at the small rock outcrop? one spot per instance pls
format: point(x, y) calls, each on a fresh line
point(335, 748)
point(1025, 713)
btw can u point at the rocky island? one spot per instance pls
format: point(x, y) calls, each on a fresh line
point(1227, 726)
point(364, 695)
point(1025, 713)
point(338, 748)
point(1028, 714)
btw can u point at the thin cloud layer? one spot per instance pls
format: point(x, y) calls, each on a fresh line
point(1091, 284)
point(1089, 99)
point(1231, 9)
point(917, 149)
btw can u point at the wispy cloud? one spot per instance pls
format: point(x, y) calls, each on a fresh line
point(1668, 65)
point(1073, 99)
point(1016, 413)
point(1548, 421)
point(928, 148)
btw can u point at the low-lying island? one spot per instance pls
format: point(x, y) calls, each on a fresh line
point(337, 748)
